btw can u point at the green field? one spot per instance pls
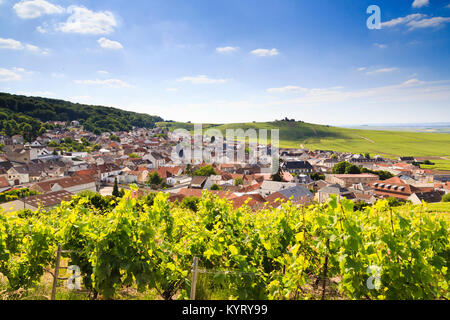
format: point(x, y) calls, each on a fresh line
point(391, 144)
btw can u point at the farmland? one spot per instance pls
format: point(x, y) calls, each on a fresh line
point(390, 144)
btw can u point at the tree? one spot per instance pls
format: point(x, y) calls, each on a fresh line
point(189, 170)
point(116, 192)
point(345, 167)
point(317, 176)
point(238, 181)
point(446, 198)
point(367, 155)
point(278, 176)
point(215, 187)
point(205, 171)
point(155, 179)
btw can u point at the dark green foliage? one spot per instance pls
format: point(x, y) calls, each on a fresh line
point(116, 192)
point(278, 176)
point(205, 171)
point(446, 198)
point(215, 187)
point(317, 176)
point(190, 203)
point(17, 111)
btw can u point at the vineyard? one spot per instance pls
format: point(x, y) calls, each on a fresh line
point(326, 251)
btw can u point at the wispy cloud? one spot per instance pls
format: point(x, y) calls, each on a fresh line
point(416, 21)
point(227, 49)
point(201, 79)
point(420, 3)
point(412, 90)
point(36, 8)
point(112, 83)
point(380, 45)
point(287, 89)
point(428, 23)
point(85, 21)
point(382, 70)
point(265, 52)
point(109, 44)
point(14, 74)
point(12, 44)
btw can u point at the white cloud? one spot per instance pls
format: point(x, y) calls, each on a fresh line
point(416, 21)
point(265, 52)
point(36, 8)
point(103, 72)
point(402, 20)
point(420, 3)
point(380, 45)
point(227, 49)
point(362, 69)
point(12, 44)
point(112, 83)
point(412, 90)
point(85, 21)
point(172, 89)
point(44, 28)
point(428, 23)
point(109, 44)
point(201, 79)
point(287, 89)
point(14, 74)
point(382, 70)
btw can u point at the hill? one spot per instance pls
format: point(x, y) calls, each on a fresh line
point(25, 115)
point(391, 144)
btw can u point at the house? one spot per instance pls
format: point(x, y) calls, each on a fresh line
point(47, 201)
point(4, 184)
point(297, 195)
point(253, 201)
point(18, 175)
point(269, 187)
point(173, 181)
point(21, 154)
point(155, 158)
point(108, 170)
point(43, 201)
point(297, 167)
point(347, 180)
point(74, 185)
point(324, 194)
point(395, 187)
point(198, 182)
point(431, 196)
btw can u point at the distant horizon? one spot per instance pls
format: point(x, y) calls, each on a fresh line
point(392, 124)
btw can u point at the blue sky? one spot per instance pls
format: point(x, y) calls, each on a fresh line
point(236, 60)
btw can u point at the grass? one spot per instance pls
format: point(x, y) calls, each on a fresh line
point(438, 165)
point(390, 144)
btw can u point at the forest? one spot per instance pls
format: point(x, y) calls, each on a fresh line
point(27, 115)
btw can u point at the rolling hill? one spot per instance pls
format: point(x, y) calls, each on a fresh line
point(391, 144)
point(17, 112)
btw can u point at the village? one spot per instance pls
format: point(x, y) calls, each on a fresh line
point(42, 174)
